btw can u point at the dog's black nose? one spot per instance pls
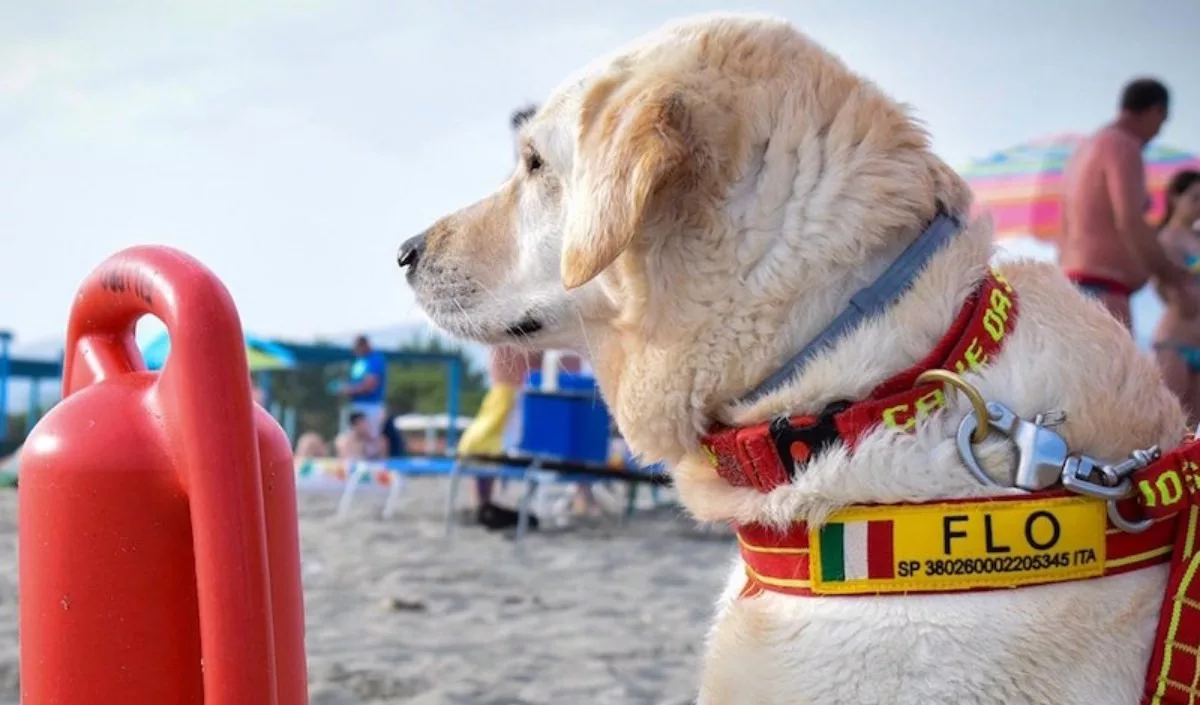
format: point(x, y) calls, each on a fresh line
point(411, 251)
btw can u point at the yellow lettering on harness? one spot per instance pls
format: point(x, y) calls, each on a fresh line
point(1003, 282)
point(893, 419)
point(974, 358)
point(1169, 487)
point(997, 314)
point(904, 417)
point(958, 546)
point(1166, 490)
point(1148, 496)
point(929, 403)
point(995, 320)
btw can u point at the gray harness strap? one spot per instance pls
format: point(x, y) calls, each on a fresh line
point(869, 301)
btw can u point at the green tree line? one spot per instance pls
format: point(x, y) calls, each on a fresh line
point(411, 388)
point(419, 388)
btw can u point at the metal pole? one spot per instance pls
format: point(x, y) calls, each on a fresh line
point(289, 423)
point(35, 402)
point(5, 338)
point(453, 394)
point(263, 381)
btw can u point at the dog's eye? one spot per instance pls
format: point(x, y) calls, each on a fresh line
point(533, 161)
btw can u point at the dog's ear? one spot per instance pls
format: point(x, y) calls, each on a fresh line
point(633, 144)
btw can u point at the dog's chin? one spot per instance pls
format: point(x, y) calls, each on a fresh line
point(527, 330)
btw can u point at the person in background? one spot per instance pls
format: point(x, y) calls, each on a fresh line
point(360, 441)
point(509, 368)
point(393, 441)
point(367, 387)
point(1108, 249)
point(1177, 339)
point(311, 445)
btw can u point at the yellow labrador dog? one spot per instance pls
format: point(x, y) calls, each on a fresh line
point(701, 212)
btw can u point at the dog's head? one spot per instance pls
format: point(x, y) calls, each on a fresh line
point(685, 211)
point(615, 153)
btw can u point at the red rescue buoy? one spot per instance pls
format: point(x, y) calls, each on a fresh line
point(159, 554)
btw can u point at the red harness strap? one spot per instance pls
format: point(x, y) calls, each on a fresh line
point(764, 456)
point(1170, 487)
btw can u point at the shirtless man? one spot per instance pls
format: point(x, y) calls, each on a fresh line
point(360, 441)
point(1108, 248)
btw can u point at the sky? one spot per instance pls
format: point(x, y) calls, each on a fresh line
point(291, 145)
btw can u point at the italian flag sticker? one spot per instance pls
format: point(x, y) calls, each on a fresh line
point(857, 550)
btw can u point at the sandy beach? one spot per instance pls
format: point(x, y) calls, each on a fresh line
point(594, 612)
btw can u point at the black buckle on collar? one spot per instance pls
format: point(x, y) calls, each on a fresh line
point(812, 439)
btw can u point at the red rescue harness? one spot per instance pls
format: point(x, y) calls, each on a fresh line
point(765, 456)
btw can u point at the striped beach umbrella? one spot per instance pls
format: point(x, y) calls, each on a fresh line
point(1022, 186)
point(262, 354)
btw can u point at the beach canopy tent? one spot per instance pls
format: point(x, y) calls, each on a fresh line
point(266, 356)
point(262, 354)
point(35, 373)
point(1022, 186)
point(321, 354)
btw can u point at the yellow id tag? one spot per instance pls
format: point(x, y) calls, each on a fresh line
point(936, 547)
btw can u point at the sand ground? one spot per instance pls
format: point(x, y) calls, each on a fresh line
point(595, 612)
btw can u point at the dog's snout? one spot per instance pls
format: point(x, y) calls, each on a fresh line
point(411, 251)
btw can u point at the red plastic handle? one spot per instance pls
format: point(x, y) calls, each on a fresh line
point(205, 393)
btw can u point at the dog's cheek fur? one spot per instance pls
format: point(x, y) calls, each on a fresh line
point(483, 232)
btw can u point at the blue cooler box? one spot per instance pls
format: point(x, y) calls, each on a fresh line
point(570, 424)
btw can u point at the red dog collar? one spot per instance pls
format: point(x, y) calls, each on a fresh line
point(764, 456)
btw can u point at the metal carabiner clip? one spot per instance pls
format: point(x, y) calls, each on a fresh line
point(1114, 486)
point(1042, 453)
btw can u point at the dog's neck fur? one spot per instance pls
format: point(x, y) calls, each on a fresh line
point(695, 385)
point(851, 368)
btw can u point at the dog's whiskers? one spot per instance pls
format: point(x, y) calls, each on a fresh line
point(469, 323)
point(587, 343)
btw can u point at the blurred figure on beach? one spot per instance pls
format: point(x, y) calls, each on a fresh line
point(490, 430)
point(1177, 338)
point(311, 445)
point(360, 441)
point(392, 440)
point(1108, 249)
point(367, 386)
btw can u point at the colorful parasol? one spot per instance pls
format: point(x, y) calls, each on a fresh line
point(1022, 186)
point(262, 354)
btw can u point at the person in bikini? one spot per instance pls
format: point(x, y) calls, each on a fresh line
point(1177, 338)
point(1108, 249)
